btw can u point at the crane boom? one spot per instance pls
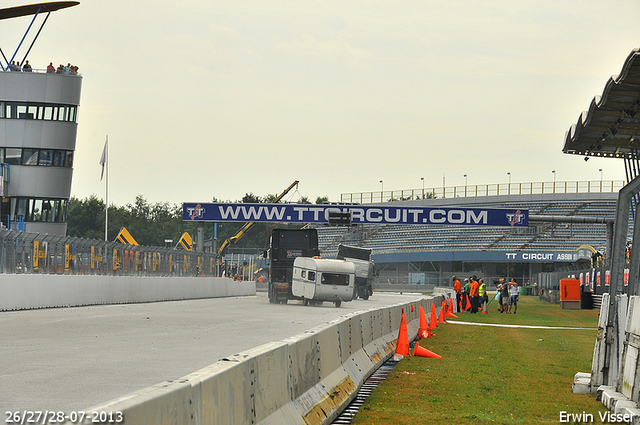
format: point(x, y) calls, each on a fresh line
point(243, 230)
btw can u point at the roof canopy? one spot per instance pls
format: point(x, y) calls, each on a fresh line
point(32, 9)
point(611, 126)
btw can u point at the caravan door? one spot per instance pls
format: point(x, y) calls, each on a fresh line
point(304, 278)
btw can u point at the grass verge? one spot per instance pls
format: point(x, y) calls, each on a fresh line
point(493, 375)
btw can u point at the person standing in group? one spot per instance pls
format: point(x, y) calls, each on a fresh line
point(499, 285)
point(482, 295)
point(513, 298)
point(504, 295)
point(457, 287)
point(465, 295)
point(473, 294)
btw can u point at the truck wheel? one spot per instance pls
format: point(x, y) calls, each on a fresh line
point(366, 294)
point(338, 303)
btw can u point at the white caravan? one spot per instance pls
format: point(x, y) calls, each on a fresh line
point(317, 279)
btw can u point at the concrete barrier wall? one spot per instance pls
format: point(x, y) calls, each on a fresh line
point(306, 379)
point(29, 291)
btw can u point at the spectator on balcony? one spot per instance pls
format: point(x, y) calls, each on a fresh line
point(50, 68)
point(26, 67)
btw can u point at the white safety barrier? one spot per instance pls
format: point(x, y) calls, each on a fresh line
point(306, 379)
point(29, 291)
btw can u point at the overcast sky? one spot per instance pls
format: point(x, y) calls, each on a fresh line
point(205, 99)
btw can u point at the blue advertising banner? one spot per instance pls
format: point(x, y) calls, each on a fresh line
point(525, 256)
point(308, 213)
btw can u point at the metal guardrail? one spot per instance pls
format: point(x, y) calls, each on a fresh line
point(500, 189)
point(22, 252)
point(42, 71)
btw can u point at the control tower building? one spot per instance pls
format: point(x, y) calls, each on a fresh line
point(38, 128)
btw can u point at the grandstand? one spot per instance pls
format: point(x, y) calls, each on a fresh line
point(439, 251)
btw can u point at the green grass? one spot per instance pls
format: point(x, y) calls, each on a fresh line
point(492, 375)
point(532, 311)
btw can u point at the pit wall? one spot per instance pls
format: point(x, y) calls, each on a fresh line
point(307, 379)
point(30, 291)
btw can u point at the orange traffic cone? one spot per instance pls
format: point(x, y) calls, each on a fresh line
point(450, 310)
point(442, 318)
point(412, 308)
point(423, 352)
point(433, 322)
point(424, 331)
point(402, 346)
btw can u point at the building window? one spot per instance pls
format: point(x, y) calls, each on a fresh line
point(29, 156)
point(38, 111)
point(40, 209)
point(13, 156)
point(58, 158)
point(68, 159)
point(32, 156)
point(46, 157)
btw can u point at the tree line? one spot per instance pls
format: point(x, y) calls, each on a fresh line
point(151, 224)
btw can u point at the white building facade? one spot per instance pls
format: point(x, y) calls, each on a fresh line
point(38, 128)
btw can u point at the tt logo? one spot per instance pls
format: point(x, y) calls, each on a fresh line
point(195, 212)
point(515, 218)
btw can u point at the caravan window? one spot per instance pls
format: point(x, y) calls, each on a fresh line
point(335, 279)
point(312, 276)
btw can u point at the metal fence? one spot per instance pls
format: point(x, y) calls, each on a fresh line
point(497, 189)
point(22, 252)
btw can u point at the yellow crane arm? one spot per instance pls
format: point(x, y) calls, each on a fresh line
point(243, 230)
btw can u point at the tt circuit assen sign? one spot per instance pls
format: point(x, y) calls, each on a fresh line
point(306, 213)
point(583, 253)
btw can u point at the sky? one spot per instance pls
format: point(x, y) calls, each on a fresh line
point(204, 100)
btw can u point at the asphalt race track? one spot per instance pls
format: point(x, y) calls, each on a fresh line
point(68, 359)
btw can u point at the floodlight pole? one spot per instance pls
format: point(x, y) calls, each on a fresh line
point(465, 185)
point(106, 190)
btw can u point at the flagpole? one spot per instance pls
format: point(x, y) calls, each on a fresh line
point(106, 191)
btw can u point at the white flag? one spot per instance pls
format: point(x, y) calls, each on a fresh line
point(103, 159)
